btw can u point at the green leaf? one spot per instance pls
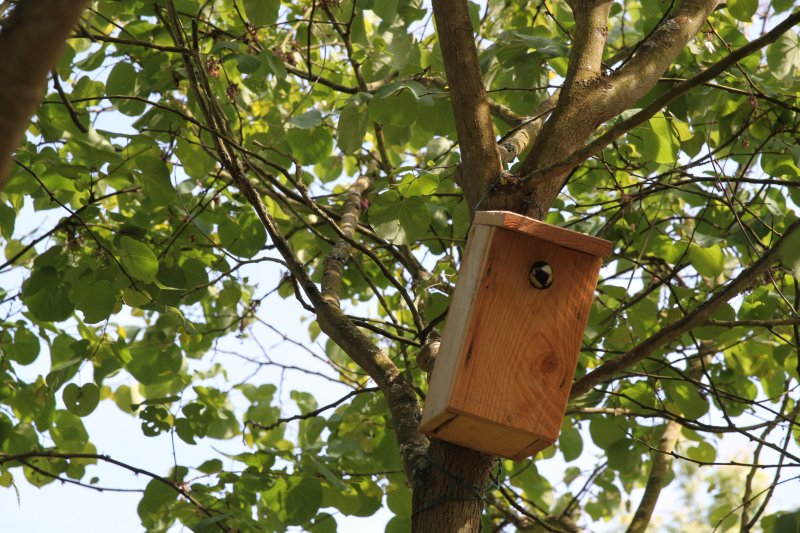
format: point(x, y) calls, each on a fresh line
point(156, 182)
point(622, 456)
point(396, 107)
point(783, 56)
point(790, 252)
point(211, 466)
point(787, 523)
point(96, 300)
point(34, 472)
point(8, 216)
point(687, 399)
point(606, 431)
point(245, 236)
point(782, 5)
point(196, 162)
point(246, 63)
point(25, 347)
point(309, 119)
point(571, 443)
point(262, 12)
point(303, 500)
point(46, 297)
point(81, 401)
point(310, 146)
point(151, 364)
point(743, 9)
point(352, 127)
point(274, 63)
point(385, 9)
point(137, 259)
point(68, 431)
point(398, 525)
point(155, 505)
point(423, 185)
point(659, 143)
point(709, 261)
point(703, 452)
point(399, 220)
point(474, 15)
point(122, 79)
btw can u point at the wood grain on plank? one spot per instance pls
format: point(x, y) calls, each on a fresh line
point(554, 234)
point(444, 371)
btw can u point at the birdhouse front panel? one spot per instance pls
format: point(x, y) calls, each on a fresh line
point(513, 335)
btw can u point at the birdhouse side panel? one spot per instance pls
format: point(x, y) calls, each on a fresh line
point(444, 372)
point(523, 342)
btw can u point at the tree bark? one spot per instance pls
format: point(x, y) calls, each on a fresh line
point(479, 154)
point(448, 485)
point(448, 491)
point(589, 97)
point(31, 42)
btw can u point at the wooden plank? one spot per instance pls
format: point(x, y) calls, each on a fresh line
point(535, 447)
point(553, 234)
point(522, 343)
point(489, 437)
point(444, 371)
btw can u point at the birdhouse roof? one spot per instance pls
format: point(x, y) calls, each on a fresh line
point(547, 232)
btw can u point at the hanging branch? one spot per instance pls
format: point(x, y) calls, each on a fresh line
point(310, 414)
point(180, 488)
point(400, 395)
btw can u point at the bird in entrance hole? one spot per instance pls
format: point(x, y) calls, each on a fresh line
point(541, 275)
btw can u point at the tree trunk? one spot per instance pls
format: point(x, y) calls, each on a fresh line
point(30, 44)
point(448, 491)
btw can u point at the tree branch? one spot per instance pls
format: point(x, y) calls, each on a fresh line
point(310, 414)
point(400, 395)
point(479, 155)
point(591, 30)
point(655, 54)
point(516, 141)
point(589, 101)
point(692, 320)
point(541, 179)
point(180, 488)
point(30, 44)
point(662, 459)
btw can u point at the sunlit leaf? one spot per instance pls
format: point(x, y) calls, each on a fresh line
point(783, 56)
point(81, 400)
point(400, 220)
point(262, 12)
point(708, 261)
point(137, 259)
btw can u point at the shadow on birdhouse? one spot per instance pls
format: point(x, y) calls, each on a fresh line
point(513, 333)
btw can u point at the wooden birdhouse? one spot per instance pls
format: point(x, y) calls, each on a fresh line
point(514, 330)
